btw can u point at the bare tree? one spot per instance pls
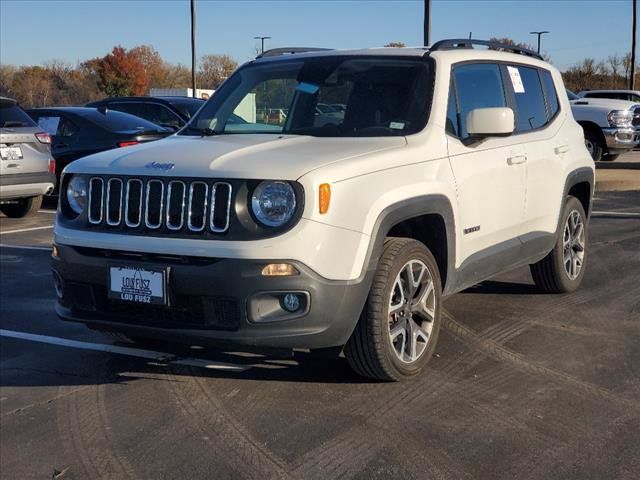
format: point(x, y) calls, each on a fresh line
point(214, 69)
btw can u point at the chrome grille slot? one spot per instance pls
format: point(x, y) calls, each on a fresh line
point(176, 193)
point(114, 201)
point(154, 203)
point(96, 200)
point(636, 117)
point(220, 206)
point(133, 203)
point(198, 200)
point(167, 206)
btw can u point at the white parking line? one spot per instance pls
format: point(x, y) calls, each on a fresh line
point(53, 212)
point(129, 351)
point(20, 230)
point(25, 247)
point(617, 214)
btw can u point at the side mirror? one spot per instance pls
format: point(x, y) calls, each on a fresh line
point(490, 122)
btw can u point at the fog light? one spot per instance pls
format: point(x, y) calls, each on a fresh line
point(291, 302)
point(279, 270)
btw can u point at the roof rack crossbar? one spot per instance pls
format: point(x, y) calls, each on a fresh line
point(453, 43)
point(274, 52)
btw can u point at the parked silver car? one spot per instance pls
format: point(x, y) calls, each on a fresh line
point(27, 169)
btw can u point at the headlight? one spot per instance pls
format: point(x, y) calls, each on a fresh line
point(77, 194)
point(273, 203)
point(620, 118)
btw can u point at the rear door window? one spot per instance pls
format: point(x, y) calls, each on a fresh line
point(479, 85)
point(530, 104)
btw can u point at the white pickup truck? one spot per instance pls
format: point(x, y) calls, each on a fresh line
point(611, 127)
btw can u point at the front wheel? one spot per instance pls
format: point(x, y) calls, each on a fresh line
point(594, 145)
point(561, 271)
point(22, 207)
point(399, 325)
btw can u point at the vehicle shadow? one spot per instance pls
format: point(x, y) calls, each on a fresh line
point(497, 287)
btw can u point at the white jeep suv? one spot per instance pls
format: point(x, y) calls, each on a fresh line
point(449, 165)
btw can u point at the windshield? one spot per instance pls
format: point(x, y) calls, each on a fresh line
point(380, 96)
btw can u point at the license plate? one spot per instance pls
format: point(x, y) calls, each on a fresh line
point(138, 285)
point(10, 153)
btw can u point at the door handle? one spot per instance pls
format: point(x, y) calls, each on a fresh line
point(516, 159)
point(560, 149)
point(13, 165)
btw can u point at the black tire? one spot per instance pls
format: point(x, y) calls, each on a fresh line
point(22, 207)
point(594, 144)
point(550, 274)
point(369, 351)
point(609, 158)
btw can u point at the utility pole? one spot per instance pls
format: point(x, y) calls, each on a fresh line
point(262, 39)
point(539, 35)
point(427, 22)
point(193, 48)
point(634, 34)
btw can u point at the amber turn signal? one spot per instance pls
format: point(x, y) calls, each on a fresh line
point(279, 270)
point(325, 197)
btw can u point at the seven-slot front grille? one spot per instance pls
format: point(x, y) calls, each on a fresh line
point(177, 205)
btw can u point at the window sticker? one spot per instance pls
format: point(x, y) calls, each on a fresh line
point(396, 125)
point(307, 88)
point(516, 81)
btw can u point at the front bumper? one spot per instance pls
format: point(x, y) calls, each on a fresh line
point(216, 301)
point(620, 140)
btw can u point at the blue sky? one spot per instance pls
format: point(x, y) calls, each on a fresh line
point(32, 32)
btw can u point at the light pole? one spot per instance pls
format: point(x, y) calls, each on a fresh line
point(262, 39)
point(539, 35)
point(193, 48)
point(634, 31)
point(427, 22)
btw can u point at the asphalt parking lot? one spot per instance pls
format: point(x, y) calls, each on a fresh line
point(523, 385)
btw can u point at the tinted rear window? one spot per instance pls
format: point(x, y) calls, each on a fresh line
point(114, 121)
point(187, 108)
point(11, 115)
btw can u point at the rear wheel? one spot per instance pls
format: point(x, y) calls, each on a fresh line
point(561, 271)
point(398, 328)
point(22, 207)
point(609, 158)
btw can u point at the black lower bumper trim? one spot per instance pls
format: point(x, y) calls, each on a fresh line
point(209, 301)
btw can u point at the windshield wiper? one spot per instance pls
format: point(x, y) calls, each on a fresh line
point(204, 132)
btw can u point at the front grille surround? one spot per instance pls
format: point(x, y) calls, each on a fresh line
point(156, 204)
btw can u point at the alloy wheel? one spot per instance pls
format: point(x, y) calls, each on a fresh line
point(412, 311)
point(573, 245)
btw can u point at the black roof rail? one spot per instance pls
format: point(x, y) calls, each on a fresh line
point(274, 52)
point(452, 43)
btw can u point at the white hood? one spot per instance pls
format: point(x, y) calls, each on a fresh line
point(610, 103)
point(268, 156)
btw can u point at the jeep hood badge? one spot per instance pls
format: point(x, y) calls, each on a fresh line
point(160, 166)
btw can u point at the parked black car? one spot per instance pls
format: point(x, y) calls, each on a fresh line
point(79, 131)
point(172, 112)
